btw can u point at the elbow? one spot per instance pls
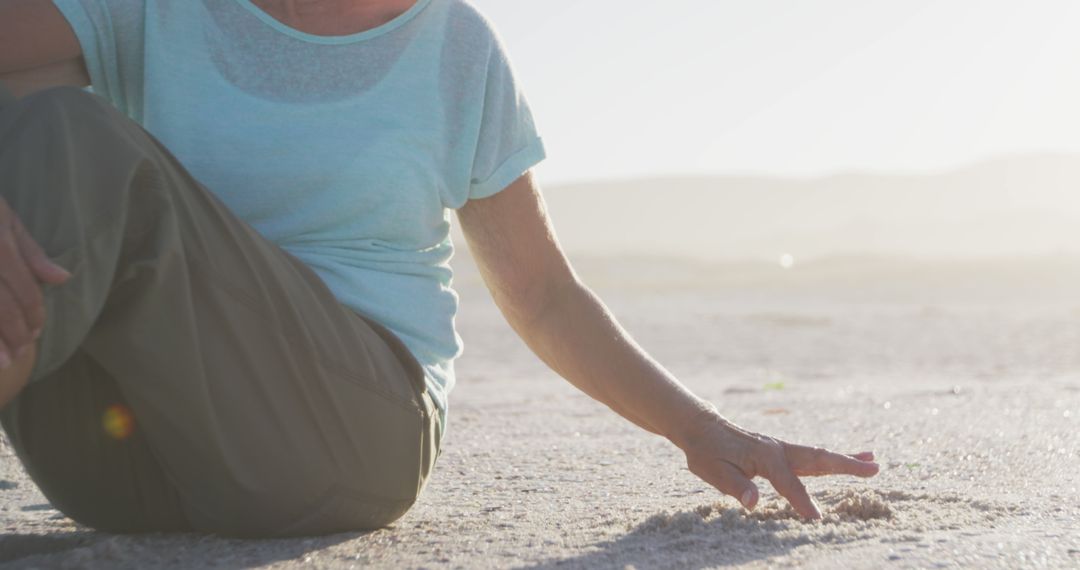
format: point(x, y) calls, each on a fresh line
point(527, 304)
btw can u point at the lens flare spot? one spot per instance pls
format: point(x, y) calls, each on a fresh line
point(787, 261)
point(118, 422)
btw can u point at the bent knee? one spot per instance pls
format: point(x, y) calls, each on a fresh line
point(68, 114)
point(61, 101)
point(66, 129)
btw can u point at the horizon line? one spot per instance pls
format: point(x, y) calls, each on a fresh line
point(837, 174)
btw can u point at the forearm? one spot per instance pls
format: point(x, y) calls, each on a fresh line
point(571, 330)
point(579, 338)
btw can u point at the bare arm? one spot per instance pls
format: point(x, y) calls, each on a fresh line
point(38, 49)
point(572, 331)
point(561, 319)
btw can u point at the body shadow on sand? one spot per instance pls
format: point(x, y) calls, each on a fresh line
point(90, 549)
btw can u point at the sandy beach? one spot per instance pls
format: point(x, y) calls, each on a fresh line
point(853, 226)
point(964, 377)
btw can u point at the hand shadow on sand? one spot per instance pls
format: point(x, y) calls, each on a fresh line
point(708, 537)
point(91, 549)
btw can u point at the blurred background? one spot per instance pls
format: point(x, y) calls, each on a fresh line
point(858, 191)
point(785, 132)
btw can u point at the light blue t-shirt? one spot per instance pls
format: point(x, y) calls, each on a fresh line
point(347, 151)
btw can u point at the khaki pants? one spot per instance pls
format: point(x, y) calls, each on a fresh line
point(192, 375)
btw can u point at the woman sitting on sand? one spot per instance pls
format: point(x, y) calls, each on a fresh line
point(254, 334)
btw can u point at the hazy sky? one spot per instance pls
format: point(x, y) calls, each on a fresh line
point(623, 89)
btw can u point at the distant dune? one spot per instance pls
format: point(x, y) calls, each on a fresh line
point(1007, 207)
point(1031, 281)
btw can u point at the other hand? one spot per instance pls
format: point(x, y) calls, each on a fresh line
point(729, 457)
point(22, 265)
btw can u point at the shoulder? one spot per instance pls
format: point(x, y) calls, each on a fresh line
point(466, 14)
point(467, 24)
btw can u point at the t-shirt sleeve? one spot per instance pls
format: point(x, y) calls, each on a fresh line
point(111, 34)
point(508, 144)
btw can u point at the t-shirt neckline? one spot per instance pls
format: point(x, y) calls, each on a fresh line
point(379, 30)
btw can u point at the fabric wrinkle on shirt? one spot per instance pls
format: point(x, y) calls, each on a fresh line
point(349, 152)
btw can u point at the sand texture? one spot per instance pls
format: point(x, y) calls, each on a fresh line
point(965, 379)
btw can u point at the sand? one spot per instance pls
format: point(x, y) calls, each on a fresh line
point(966, 385)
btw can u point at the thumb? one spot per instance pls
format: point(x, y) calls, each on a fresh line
point(48, 271)
point(43, 268)
point(730, 480)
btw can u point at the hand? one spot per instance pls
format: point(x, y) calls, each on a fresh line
point(22, 264)
point(728, 457)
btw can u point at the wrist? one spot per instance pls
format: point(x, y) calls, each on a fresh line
point(695, 423)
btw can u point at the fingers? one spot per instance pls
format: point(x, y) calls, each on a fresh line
point(729, 457)
point(788, 485)
point(21, 306)
point(811, 461)
point(14, 338)
point(730, 480)
point(44, 269)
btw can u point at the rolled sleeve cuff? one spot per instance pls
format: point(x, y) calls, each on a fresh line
point(510, 170)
